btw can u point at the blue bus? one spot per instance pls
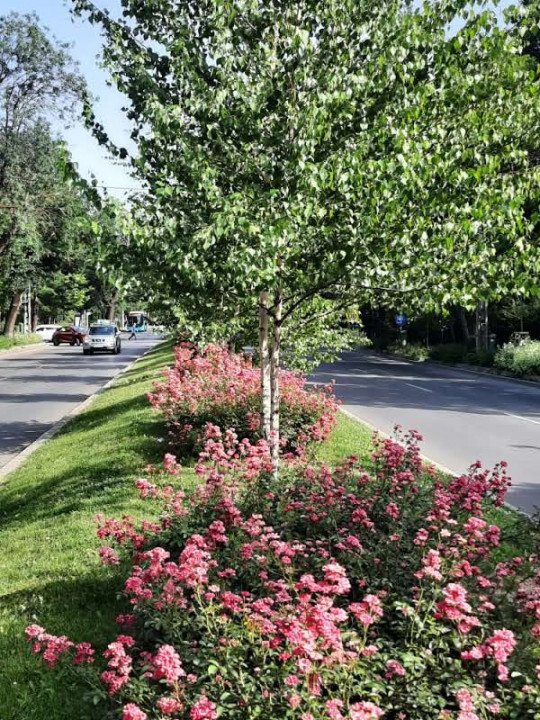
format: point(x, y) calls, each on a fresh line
point(137, 320)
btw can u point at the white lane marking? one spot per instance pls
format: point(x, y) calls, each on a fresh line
point(520, 417)
point(418, 387)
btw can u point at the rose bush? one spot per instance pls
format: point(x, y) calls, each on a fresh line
point(218, 387)
point(321, 595)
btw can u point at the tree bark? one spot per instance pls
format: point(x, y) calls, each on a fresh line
point(13, 312)
point(35, 314)
point(111, 307)
point(274, 381)
point(266, 392)
point(464, 325)
point(482, 342)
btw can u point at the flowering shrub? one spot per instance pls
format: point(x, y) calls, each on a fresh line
point(321, 595)
point(224, 389)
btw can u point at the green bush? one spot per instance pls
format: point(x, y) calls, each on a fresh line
point(413, 351)
point(449, 353)
point(480, 357)
point(519, 360)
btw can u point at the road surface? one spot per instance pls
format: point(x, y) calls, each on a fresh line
point(463, 417)
point(39, 387)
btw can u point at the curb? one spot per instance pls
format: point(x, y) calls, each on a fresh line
point(19, 459)
point(464, 368)
point(486, 373)
point(441, 468)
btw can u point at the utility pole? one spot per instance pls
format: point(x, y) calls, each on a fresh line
point(482, 330)
point(27, 309)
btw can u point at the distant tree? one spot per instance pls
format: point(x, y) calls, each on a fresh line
point(38, 81)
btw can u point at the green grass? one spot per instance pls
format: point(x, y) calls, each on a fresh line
point(6, 343)
point(49, 570)
point(349, 437)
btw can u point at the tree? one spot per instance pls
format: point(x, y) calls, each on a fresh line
point(38, 80)
point(294, 151)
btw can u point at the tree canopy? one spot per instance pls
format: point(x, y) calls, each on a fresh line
point(312, 145)
point(38, 81)
point(330, 150)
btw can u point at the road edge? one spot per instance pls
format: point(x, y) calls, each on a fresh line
point(17, 349)
point(16, 462)
point(474, 370)
point(441, 468)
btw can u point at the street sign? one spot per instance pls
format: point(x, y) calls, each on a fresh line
point(401, 320)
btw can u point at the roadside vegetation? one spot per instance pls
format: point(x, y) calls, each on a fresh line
point(48, 565)
point(6, 343)
point(255, 594)
point(519, 360)
point(451, 353)
point(511, 359)
point(258, 584)
point(56, 229)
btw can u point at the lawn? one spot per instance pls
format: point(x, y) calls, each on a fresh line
point(6, 343)
point(49, 570)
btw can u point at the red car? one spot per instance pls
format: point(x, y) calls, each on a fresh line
point(69, 334)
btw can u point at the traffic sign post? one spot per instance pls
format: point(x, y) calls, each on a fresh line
point(401, 322)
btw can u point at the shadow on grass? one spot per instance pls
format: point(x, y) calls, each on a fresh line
point(49, 561)
point(88, 474)
point(84, 609)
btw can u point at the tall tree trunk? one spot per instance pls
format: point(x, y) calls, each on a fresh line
point(482, 342)
point(266, 392)
point(464, 325)
point(13, 312)
point(111, 307)
point(35, 313)
point(274, 381)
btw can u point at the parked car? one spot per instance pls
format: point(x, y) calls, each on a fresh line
point(102, 337)
point(46, 332)
point(69, 334)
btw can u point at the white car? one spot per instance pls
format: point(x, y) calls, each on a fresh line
point(102, 337)
point(46, 332)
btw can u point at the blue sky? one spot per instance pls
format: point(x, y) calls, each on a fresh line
point(86, 45)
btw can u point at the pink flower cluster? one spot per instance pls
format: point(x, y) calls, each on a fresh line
point(326, 593)
point(52, 647)
point(217, 385)
point(119, 663)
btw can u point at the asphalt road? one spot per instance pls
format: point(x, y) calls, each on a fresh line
point(39, 387)
point(463, 417)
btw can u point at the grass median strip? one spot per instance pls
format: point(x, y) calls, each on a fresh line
point(49, 570)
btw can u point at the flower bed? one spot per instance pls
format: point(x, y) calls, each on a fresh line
point(224, 389)
point(321, 595)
